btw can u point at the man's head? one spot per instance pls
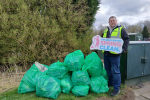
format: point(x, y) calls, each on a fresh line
point(112, 21)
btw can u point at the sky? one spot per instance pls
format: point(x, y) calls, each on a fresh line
point(129, 11)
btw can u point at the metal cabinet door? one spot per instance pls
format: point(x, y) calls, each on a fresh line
point(134, 66)
point(147, 59)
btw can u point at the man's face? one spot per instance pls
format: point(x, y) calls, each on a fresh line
point(112, 22)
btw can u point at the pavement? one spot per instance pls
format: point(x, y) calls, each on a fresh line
point(142, 93)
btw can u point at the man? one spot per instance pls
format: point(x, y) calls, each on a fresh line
point(112, 59)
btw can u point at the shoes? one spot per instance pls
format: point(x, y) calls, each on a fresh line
point(114, 93)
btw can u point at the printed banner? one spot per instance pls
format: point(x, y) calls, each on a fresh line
point(107, 44)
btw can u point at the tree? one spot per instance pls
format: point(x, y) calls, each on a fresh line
point(88, 6)
point(134, 29)
point(125, 25)
point(45, 31)
point(93, 6)
point(147, 23)
point(101, 29)
point(145, 32)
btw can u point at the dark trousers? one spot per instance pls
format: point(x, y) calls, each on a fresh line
point(112, 66)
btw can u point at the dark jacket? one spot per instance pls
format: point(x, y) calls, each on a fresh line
point(124, 37)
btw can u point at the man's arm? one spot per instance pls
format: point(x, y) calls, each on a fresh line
point(102, 34)
point(125, 38)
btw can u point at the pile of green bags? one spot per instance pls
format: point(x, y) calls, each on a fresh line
point(29, 80)
point(57, 69)
point(75, 74)
point(48, 87)
point(74, 60)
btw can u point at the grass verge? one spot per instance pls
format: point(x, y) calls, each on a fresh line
point(13, 95)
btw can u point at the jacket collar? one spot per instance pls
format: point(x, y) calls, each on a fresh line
point(114, 27)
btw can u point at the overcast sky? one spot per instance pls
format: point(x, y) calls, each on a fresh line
point(130, 11)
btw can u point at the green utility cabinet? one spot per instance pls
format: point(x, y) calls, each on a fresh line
point(135, 36)
point(100, 54)
point(135, 64)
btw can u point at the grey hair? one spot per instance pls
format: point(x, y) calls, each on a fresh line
point(112, 17)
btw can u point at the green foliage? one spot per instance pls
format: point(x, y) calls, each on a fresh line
point(43, 31)
point(145, 32)
point(86, 7)
point(92, 9)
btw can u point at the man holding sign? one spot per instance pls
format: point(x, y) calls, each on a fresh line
point(112, 59)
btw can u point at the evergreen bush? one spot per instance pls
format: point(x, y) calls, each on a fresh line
point(42, 30)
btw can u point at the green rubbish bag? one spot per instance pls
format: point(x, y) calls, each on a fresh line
point(74, 61)
point(57, 69)
point(93, 65)
point(80, 78)
point(66, 84)
point(104, 74)
point(48, 87)
point(81, 90)
point(28, 82)
point(99, 85)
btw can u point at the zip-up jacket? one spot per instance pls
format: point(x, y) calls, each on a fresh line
point(124, 37)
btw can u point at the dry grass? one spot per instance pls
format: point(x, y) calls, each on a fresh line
point(9, 80)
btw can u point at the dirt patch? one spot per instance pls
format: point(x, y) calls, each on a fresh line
point(140, 85)
point(128, 94)
point(137, 86)
point(125, 94)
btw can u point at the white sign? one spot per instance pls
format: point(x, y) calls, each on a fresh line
point(107, 44)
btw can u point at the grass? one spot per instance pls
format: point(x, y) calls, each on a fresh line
point(9, 91)
point(13, 95)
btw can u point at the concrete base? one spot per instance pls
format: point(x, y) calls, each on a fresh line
point(141, 98)
point(143, 93)
point(137, 80)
